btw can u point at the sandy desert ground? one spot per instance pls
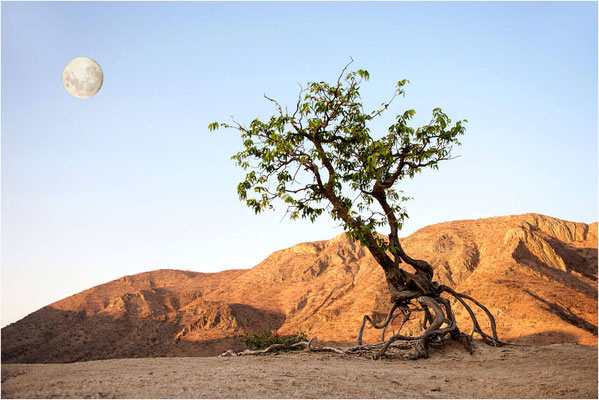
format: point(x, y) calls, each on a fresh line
point(554, 371)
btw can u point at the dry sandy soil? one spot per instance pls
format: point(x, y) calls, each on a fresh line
point(554, 371)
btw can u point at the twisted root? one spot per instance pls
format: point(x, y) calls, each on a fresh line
point(439, 321)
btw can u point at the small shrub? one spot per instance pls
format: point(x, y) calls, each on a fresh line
point(254, 341)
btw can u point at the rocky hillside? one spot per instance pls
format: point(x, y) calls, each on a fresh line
point(537, 274)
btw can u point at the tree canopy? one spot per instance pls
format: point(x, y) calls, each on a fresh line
point(350, 174)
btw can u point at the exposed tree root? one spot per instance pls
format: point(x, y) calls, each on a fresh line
point(439, 321)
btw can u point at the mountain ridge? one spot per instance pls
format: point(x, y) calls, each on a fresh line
point(537, 274)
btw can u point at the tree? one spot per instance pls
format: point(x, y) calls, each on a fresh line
point(322, 158)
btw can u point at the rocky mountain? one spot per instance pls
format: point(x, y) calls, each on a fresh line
point(537, 275)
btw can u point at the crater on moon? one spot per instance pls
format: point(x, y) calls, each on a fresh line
point(82, 77)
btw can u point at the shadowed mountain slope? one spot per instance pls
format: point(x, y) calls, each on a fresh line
point(537, 275)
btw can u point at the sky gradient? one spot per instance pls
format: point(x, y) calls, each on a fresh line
point(130, 180)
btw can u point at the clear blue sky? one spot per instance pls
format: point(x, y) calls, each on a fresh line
point(130, 180)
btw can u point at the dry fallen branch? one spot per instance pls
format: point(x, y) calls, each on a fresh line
point(279, 347)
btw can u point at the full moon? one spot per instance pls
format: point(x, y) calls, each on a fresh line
point(82, 77)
